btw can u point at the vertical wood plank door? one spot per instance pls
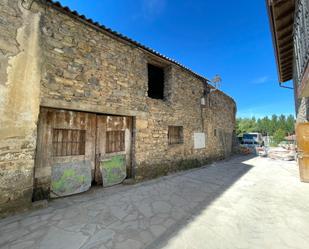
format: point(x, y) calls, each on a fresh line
point(66, 151)
point(113, 149)
point(302, 137)
point(75, 149)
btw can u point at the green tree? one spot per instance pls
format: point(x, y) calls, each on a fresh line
point(290, 124)
point(244, 125)
point(282, 123)
point(265, 125)
point(278, 136)
point(273, 124)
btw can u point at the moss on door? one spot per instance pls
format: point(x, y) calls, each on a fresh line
point(70, 178)
point(113, 170)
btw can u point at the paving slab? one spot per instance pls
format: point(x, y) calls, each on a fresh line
point(244, 202)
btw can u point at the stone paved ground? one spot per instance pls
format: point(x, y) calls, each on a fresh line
point(240, 203)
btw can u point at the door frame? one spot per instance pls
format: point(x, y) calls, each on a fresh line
point(42, 177)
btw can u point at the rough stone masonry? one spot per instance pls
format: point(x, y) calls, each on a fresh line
point(52, 57)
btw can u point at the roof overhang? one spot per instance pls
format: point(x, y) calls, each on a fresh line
point(281, 16)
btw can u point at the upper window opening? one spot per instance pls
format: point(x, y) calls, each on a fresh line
point(175, 135)
point(155, 82)
point(68, 142)
point(115, 141)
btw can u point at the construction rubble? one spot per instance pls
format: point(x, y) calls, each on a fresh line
point(276, 153)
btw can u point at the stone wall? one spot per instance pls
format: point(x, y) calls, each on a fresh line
point(155, 157)
point(86, 69)
point(301, 103)
point(19, 102)
point(60, 61)
point(302, 110)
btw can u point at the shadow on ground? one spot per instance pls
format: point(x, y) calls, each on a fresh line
point(222, 175)
point(144, 215)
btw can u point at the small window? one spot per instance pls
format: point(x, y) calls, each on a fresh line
point(175, 135)
point(155, 82)
point(215, 132)
point(115, 141)
point(68, 142)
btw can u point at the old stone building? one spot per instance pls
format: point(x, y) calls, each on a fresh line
point(82, 105)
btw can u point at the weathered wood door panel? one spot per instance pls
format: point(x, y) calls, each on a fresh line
point(66, 150)
point(302, 133)
point(113, 162)
point(76, 148)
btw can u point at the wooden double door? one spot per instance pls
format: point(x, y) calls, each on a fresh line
point(78, 149)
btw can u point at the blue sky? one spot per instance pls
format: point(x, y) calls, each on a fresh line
point(230, 38)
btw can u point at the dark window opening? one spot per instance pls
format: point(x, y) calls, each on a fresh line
point(175, 135)
point(215, 132)
point(68, 142)
point(155, 82)
point(115, 141)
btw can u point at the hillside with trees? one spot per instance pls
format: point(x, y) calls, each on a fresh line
point(277, 126)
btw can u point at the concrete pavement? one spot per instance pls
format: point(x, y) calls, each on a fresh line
point(239, 203)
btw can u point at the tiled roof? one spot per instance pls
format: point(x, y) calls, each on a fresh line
point(95, 24)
